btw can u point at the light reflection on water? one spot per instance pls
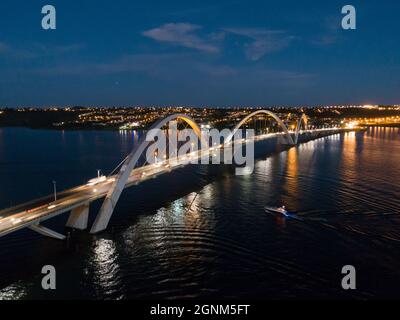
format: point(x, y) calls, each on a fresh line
point(104, 261)
point(15, 291)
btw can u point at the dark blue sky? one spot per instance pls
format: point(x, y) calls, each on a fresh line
point(199, 53)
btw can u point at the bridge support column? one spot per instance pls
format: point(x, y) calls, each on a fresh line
point(103, 217)
point(78, 218)
point(46, 232)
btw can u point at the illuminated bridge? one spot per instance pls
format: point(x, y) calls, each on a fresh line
point(132, 171)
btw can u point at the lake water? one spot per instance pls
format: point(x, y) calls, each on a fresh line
point(201, 231)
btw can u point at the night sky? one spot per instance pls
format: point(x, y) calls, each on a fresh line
point(199, 53)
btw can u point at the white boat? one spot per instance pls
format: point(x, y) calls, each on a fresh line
point(279, 210)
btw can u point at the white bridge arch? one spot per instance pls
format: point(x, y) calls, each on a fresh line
point(118, 185)
point(303, 119)
point(122, 177)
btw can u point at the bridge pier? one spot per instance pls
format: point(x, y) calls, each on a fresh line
point(78, 218)
point(46, 231)
point(103, 217)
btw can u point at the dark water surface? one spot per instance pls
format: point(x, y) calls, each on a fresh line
point(346, 187)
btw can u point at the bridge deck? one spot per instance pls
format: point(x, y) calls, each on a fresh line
point(24, 215)
point(21, 216)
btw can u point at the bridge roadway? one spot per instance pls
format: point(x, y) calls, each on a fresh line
point(30, 214)
point(21, 216)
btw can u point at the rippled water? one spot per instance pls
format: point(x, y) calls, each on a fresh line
point(201, 232)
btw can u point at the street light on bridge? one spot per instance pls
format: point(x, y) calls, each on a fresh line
point(55, 190)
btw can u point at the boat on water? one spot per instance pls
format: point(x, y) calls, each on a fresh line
point(278, 210)
point(282, 212)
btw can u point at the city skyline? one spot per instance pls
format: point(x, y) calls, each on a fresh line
point(199, 54)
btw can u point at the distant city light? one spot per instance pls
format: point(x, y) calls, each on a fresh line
point(369, 106)
point(351, 125)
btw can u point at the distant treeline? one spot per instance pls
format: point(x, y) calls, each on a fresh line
point(35, 118)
